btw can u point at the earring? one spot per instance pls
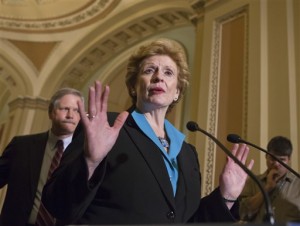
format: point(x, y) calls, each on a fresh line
point(133, 92)
point(175, 99)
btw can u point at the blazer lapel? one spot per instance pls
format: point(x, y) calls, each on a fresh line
point(36, 154)
point(152, 156)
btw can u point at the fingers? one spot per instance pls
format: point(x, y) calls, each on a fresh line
point(241, 151)
point(250, 165)
point(244, 153)
point(104, 98)
point(91, 102)
point(234, 149)
point(98, 93)
point(98, 98)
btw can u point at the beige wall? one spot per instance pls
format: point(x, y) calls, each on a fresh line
point(247, 78)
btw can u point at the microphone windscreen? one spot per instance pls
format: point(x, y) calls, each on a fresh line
point(192, 126)
point(233, 138)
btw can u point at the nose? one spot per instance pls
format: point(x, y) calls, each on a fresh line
point(70, 113)
point(157, 76)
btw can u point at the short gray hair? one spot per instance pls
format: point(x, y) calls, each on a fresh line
point(61, 93)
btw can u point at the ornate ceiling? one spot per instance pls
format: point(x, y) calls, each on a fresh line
point(45, 44)
point(52, 15)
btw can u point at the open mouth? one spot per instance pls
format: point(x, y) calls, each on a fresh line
point(156, 90)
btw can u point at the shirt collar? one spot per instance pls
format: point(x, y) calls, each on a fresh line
point(175, 136)
point(52, 140)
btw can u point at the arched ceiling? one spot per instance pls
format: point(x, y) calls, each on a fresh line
point(52, 15)
point(45, 44)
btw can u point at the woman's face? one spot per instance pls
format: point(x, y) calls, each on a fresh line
point(156, 85)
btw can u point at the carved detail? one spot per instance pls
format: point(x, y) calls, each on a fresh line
point(120, 40)
point(28, 102)
point(7, 78)
point(96, 9)
point(214, 91)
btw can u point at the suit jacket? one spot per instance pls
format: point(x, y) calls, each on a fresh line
point(131, 186)
point(20, 166)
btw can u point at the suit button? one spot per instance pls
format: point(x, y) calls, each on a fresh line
point(171, 215)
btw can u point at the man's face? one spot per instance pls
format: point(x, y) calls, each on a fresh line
point(65, 115)
point(273, 164)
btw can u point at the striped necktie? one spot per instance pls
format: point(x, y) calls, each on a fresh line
point(44, 218)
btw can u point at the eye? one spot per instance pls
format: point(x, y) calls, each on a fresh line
point(64, 108)
point(283, 159)
point(169, 72)
point(149, 70)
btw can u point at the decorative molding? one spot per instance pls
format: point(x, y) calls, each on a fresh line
point(121, 39)
point(13, 2)
point(7, 78)
point(199, 9)
point(212, 112)
point(214, 89)
point(91, 11)
point(28, 102)
point(24, 2)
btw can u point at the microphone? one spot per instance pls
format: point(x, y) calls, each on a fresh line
point(234, 138)
point(193, 126)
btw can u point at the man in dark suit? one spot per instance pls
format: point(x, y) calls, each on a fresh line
point(25, 162)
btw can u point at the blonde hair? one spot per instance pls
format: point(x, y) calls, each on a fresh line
point(166, 47)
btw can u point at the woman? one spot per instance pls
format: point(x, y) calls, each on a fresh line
point(135, 167)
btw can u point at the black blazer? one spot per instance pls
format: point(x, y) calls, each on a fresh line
point(20, 166)
point(131, 186)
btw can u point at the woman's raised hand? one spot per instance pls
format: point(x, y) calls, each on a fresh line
point(99, 135)
point(233, 177)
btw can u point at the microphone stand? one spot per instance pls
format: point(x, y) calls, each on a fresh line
point(193, 126)
point(240, 140)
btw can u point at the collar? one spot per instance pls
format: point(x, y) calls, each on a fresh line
point(175, 136)
point(52, 139)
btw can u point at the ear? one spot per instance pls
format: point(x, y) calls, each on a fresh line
point(177, 93)
point(132, 92)
point(50, 114)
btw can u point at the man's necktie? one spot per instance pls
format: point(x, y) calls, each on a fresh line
point(44, 218)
